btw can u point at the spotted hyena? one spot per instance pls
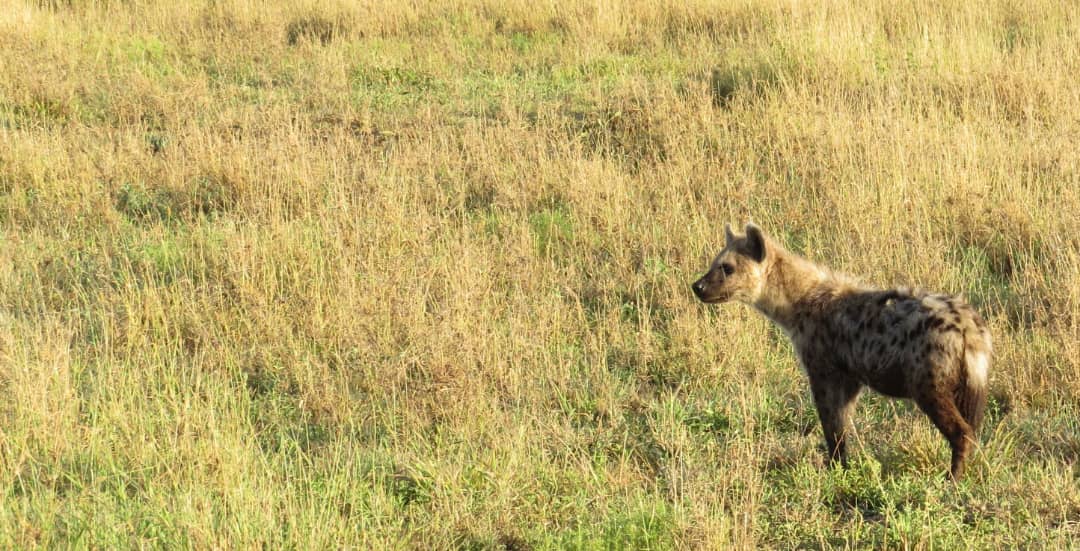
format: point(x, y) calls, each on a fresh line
point(930, 348)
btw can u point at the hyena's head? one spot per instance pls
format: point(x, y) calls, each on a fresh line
point(738, 273)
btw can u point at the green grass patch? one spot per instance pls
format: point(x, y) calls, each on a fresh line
point(553, 229)
point(644, 525)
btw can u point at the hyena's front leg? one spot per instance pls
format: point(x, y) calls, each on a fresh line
point(835, 400)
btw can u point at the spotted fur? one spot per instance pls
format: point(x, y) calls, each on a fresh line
point(931, 348)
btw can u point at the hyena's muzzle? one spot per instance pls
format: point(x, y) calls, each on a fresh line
point(705, 291)
point(711, 288)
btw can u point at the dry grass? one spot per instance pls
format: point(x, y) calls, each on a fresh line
point(416, 274)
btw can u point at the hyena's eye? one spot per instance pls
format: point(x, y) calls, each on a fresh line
point(728, 269)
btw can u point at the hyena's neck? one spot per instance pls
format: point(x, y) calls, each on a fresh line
point(794, 285)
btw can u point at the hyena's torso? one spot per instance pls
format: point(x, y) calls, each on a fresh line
point(901, 343)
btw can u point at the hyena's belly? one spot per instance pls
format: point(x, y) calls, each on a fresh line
point(886, 370)
point(891, 378)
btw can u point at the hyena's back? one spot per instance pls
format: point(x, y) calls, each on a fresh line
point(901, 343)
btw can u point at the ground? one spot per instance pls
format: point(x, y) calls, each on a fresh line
point(384, 275)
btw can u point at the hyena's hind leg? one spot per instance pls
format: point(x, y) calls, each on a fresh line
point(835, 400)
point(943, 411)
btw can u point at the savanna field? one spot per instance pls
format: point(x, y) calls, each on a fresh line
point(416, 274)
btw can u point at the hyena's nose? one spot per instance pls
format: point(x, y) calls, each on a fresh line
point(699, 288)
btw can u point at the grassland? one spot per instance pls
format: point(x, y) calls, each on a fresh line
point(415, 275)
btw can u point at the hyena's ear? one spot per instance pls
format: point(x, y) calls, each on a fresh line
point(728, 235)
point(755, 242)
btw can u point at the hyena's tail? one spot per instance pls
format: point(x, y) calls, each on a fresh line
point(971, 396)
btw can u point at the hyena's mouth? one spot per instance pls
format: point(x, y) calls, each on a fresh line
point(714, 300)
